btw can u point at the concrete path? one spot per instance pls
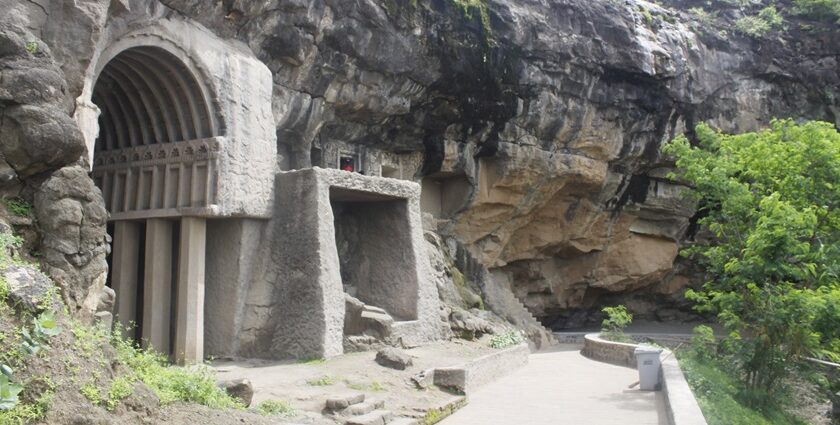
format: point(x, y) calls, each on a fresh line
point(562, 387)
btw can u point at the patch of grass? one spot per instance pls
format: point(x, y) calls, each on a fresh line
point(88, 339)
point(172, 383)
point(18, 206)
point(374, 386)
point(507, 339)
point(91, 392)
point(723, 400)
point(275, 408)
point(434, 416)
point(321, 382)
point(8, 242)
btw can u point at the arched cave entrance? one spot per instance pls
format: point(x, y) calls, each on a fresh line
point(155, 162)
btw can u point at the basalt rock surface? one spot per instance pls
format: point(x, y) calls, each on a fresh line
point(549, 116)
point(552, 111)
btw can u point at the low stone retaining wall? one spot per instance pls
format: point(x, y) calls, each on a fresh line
point(679, 400)
point(473, 374)
point(680, 403)
point(608, 351)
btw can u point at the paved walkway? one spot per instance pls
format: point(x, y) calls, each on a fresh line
point(562, 387)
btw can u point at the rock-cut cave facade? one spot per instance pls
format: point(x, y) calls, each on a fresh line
point(220, 249)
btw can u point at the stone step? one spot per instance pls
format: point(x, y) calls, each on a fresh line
point(374, 309)
point(344, 401)
point(377, 417)
point(404, 421)
point(362, 408)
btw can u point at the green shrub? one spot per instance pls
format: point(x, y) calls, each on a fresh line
point(647, 16)
point(507, 339)
point(703, 342)
point(275, 408)
point(707, 19)
point(121, 388)
point(612, 328)
point(818, 9)
point(768, 19)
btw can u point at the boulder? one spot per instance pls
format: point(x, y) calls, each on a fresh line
point(240, 389)
point(393, 358)
point(104, 320)
point(344, 401)
point(424, 379)
point(106, 300)
point(72, 218)
point(34, 139)
point(28, 287)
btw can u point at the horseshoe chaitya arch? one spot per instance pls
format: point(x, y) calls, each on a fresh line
point(147, 95)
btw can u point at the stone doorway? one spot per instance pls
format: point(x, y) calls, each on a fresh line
point(155, 160)
point(375, 251)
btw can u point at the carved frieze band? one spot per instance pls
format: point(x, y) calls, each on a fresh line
point(158, 177)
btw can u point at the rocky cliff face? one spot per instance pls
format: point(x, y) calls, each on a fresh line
point(545, 117)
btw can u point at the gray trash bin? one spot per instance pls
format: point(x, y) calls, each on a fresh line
point(647, 361)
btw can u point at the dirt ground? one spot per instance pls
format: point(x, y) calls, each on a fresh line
point(307, 385)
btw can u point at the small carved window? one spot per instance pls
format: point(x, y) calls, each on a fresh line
point(347, 163)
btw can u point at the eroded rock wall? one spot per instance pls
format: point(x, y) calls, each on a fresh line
point(42, 47)
point(552, 112)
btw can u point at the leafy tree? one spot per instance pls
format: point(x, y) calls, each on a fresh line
point(770, 201)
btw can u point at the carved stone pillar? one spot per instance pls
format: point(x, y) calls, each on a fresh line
point(157, 284)
point(189, 334)
point(125, 273)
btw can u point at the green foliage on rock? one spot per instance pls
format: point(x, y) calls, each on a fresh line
point(19, 207)
point(469, 7)
point(618, 318)
point(771, 201)
point(819, 9)
point(756, 26)
point(507, 339)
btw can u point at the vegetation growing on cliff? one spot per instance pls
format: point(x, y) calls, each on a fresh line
point(771, 202)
